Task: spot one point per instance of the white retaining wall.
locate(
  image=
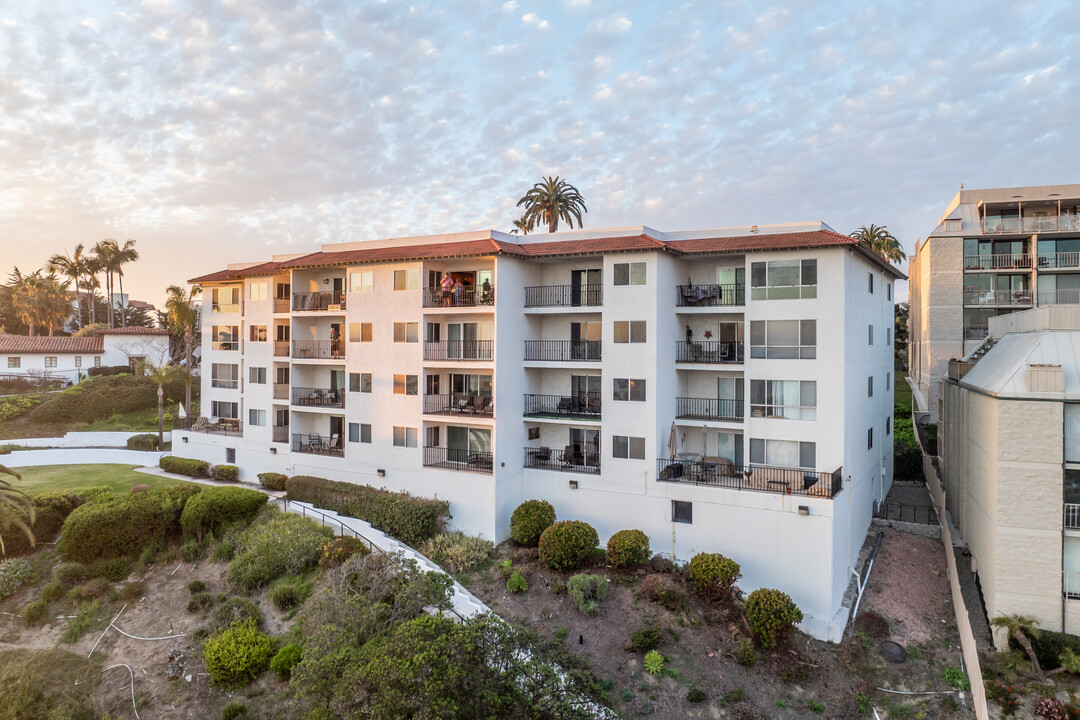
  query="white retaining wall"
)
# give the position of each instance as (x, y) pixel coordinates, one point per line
(82, 440)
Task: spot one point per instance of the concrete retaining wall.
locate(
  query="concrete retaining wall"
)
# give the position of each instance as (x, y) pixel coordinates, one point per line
(79, 456)
(81, 440)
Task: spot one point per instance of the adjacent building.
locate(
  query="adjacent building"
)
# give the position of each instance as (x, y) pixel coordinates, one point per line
(70, 358)
(722, 390)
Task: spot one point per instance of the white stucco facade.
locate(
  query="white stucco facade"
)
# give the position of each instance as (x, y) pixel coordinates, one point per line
(70, 358)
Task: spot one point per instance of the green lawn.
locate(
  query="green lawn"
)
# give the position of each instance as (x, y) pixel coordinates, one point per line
(118, 478)
(902, 394)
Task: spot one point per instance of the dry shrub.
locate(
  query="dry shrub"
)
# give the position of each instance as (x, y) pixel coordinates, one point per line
(665, 590)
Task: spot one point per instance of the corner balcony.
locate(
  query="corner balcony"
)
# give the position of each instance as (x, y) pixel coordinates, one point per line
(460, 405)
(720, 472)
(583, 406)
(329, 301)
(310, 444)
(435, 297)
(1065, 296)
(563, 350)
(457, 459)
(317, 397)
(708, 352)
(459, 350)
(692, 408)
(1011, 298)
(566, 460)
(732, 295)
(221, 426)
(1072, 517)
(318, 349)
(1046, 224)
(564, 296)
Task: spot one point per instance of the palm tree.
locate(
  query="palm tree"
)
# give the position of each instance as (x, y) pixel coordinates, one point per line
(160, 374)
(124, 255)
(13, 503)
(39, 300)
(73, 267)
(182, 317)
(550, 201)
(93, 267)
(1019, 627)
(882, 242)
(106, 253)
(521, 225)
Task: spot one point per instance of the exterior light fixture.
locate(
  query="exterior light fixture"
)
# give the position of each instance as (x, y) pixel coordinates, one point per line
(183, 439)
(573, 484)
(273, 451)
(381, 472)
(804, 510)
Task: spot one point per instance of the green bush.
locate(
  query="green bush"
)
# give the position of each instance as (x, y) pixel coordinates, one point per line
(272, 480)
(340, 549)
(565, 545)
(90, 589)
(236, 656)
(52, 591)
(185, 466)
(628, 547)
(145, 441)
(196, 586)
(529, 521)
(14, 574)
(643, 640)
(112, 569)
(225, 473)
(234, 711)
(286, 659)
(13, 406)
(123, 524)
(654, 663)
(456, 551)
(1049, 646)
(50, 510)
(517, 583)
(232, 611)
(284, 545)
(70, 574)
(771, 613)
(289, 592)
(192, 550)
(100, 397)
(216, 507)
(714, 574)
(744, 653)
(131, 591)
(410, 519)
(35, 613)
(587, 591)
(696, 695)
(199, 601)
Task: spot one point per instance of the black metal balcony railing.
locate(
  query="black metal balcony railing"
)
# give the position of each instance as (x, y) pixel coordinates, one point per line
(708, 351)
(567, 460)
(318, 397)
(318, 349)
(731, 295)
(435, 297)
(328, 300)
(455, 459)
(582, 405)
(459, 350)
(318, 444)
(719, 472)
(457, 404)
(281, 433)
(692, 408)
(563, 350)
(222, 426)
(564, 296)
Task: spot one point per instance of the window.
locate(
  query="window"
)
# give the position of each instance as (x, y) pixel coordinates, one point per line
(405, 384)
(220, 409)
(282, 332)
(629, 331)
(360, 332)
(629, 273)
(223, 375)
(870, 386)
(783, 453)
(257, 291)
(97, 361)
(888, 425)
(281, 375)
(888, 336)
(627, 448)
(404, 436)
(869, 438)
(791, 399)
(783, 339)
(257, 333)
(225, 337)
(230, 455)
(870, 283)
(225, 300)
(682, 512)
(257, 375)
(282, 290)
(361, 282)
(888, 381)
(628, 389)
(78, 361)
(365, 433)
(407, 280)
(14, 362)
(406, 332)
(888, 291)
(869, 334)
(783, 279)
(257, 417)
(50, 362)
(360, 382)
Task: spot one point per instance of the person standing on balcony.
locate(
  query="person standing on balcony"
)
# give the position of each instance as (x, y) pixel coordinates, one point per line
(447, 288)
(459, 291)
(335, 347)
(486, 291)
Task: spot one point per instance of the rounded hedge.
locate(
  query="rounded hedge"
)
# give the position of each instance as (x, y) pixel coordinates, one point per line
(216, 507)
(771, 613)
(530, 520)
(236, 656)
(144, 441)
(225, 473)
(713, 574)
(272, 480)
(565, 545)
(185, 466)
(628, 547)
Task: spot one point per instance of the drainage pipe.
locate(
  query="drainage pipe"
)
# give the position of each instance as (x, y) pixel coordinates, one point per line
(862, 585)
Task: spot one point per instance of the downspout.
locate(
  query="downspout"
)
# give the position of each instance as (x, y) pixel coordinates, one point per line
(862, 586)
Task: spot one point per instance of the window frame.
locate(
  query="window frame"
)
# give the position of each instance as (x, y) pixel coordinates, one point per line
(366, 281)
(406, 381)
(255, 415)
(636, 273)
(767, 350)
(366, 332)
(410, 279)
(629, 329)
(762, 286)
(632, 446)
(762, 389)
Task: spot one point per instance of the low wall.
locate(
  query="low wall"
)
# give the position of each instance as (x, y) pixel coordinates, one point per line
(933, 531)
(82, 440)
(79, 456)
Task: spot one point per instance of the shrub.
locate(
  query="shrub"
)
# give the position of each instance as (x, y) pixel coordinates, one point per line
(191, 550)
(771, 613)
(1049, 645)
(409, 519)
(587, 591)
(52, 591)
(123, 524)
(225, 473)
(216, 507)
(90, 589)
(456, 551)
(139, 487)
(285, 545)
(199, 601)
(14, 574)
(234, 711)
(113, 569)
(664, 590)
(286, 659)
(696, 695)
(1051, 709)
(145, 441)
(232, 611)
(272, 480)
(70, 574)
(744, 653)
(340, 549)
(628, 547)
(530, 520)
(50, 510)
(517, 583)
(131, 591)
(565, 545)
(100, 397)
(185, 466)
(654, 662)
(289, 592)
(713, 574)
(196, 586)
(236, 656)
(35, 613)
(643, 640)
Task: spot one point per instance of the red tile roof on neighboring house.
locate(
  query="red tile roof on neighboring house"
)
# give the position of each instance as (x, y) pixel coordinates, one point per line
(430, 251)
(591, 246)
(11, 344)
(135, 330)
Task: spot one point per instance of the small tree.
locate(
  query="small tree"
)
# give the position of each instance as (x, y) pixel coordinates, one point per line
(1019, 627)
(771, 614)
(160, 374)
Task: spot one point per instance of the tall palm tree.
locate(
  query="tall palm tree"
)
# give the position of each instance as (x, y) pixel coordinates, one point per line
(1019, 627)
(882, 242)
(160, 374)
(13, 504)
(38, 300)
(93, 267)
(106, 253)
(552, 200)
(72, 267)
(521, 225)
(124, 255)
(182, 317)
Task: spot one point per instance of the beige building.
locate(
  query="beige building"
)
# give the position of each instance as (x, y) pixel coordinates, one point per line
(1010, 462)
(993, 252)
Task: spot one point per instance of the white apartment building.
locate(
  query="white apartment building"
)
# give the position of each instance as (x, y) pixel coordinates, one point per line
(722, 390)
(993, 252)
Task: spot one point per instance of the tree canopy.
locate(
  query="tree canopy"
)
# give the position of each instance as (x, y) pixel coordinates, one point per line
(550, 201)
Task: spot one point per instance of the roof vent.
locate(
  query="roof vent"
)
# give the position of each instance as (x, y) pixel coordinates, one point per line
(753, 228)
(1046, 378)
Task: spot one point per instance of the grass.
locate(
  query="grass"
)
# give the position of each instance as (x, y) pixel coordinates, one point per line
(902, 393)
(134, 421)
(118, 478)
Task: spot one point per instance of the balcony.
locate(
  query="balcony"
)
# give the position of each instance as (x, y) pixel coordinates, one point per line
(222, 426)
(281, 305)
(563, 350)
(709, 352)
(225, 307)
(733, 295)
(1050, 223)
(692, 408)
(1065, 296)
(1072, 516)
(459, 298)
(566, 460)
(719, 472)
(225, 384)
(1059, 261)
(317, 445)
(976, 332)
(474, 405)
(319, 349)
(958, 369)
(998, 297)
(331, 300)
(281, 349)
(225, 345)
(459, 350)
(997, 262)
(456, 459)
(583, 406)
(560, 296)
(318, 397)
(281, 433)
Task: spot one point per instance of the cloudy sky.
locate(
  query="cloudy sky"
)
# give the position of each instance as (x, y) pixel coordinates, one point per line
(213, 132)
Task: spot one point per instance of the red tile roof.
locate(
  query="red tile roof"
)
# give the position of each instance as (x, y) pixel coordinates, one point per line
(12, 344)
(591, 246)
(430, 251)
(137, 330)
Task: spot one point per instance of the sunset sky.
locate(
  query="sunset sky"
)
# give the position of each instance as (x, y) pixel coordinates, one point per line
(221, 132)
